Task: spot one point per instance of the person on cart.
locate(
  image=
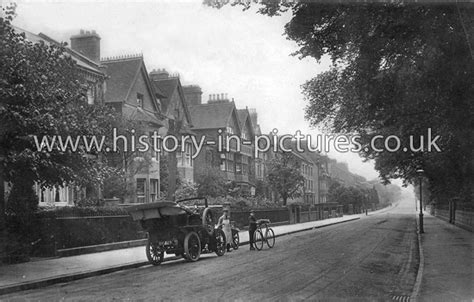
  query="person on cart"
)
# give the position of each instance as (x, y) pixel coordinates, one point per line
(224, 223)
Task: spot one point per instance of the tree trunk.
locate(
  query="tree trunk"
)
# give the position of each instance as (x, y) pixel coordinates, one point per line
(172, 169)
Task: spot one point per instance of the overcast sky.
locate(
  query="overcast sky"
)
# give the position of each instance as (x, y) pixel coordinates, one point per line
(229, 51)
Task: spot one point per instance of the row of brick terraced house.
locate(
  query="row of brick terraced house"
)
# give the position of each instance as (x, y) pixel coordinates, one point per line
(157, 101)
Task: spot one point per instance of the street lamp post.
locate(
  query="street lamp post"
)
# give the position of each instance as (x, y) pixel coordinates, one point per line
(366, 204)
(420, 172)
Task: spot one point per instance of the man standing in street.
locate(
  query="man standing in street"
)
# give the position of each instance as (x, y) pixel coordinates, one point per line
(252, 228)
(224, 223)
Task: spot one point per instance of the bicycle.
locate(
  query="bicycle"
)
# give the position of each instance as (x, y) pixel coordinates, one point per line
(259, 237)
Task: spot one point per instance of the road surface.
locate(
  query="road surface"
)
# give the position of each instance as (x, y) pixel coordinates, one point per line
(374, 258)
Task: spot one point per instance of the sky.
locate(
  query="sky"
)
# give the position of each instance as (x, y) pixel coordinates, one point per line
(243, 54)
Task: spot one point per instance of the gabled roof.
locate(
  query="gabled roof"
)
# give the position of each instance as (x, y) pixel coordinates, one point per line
(167, 88)
(81, 60)
(242, 113)
(244, 117)
(138, 114)
(214, 115)
(122, 74)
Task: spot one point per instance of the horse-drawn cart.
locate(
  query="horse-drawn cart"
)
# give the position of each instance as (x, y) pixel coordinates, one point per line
(176, 229)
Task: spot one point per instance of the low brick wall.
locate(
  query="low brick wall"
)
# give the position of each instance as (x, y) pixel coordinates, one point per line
(309, 216)
(71, 232)
(62, 233)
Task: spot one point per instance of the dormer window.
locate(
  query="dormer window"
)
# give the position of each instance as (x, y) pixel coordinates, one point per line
(140, 100)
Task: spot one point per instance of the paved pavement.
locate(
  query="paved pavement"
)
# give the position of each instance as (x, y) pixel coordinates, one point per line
(447, 266)
(46, 272)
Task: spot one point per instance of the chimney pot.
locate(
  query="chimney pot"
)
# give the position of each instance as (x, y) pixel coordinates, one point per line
(87, 44)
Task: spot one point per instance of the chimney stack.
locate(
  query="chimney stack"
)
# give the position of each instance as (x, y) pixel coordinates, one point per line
(193, 94)
(218, 98)
(88, 44)
(159, 74)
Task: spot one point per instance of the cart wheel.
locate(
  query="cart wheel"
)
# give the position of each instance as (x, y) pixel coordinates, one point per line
(154, 253)
(258, 239)
(207, 221)
(235, 240)
(270, 237)
(192, 246)
(220, 242)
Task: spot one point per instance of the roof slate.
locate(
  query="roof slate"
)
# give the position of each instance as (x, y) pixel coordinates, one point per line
(242, 113)
(122, 74)
(138, 114)
(211, 116)
(79, 58)
(166, 88)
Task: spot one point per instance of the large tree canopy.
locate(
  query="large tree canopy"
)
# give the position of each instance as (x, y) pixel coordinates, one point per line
(398, 69)
(401, 70)
(284, 175)
(42, 94)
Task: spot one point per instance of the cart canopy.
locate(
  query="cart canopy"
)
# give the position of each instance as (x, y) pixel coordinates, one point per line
(156, 210)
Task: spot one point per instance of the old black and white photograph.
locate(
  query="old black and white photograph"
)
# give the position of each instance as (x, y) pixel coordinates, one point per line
(236, 150)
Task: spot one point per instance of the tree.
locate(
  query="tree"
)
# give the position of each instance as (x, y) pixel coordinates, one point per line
(284, 175)
(210, 183)
(42, 93)
(186, 189)
(399, 69)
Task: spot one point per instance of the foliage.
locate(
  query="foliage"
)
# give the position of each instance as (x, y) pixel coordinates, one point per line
(164, 174)
(399, 69)
(86, 211)
(115, 187)
(42, 93)
(210, 183)
(388, 193)
(261, 188)
(21, 206)
(284, 175)
(358, 197)
(402, 70)
(186, 189)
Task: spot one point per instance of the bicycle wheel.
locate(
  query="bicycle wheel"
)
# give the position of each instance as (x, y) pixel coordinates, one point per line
(258, 239)
(270, 237)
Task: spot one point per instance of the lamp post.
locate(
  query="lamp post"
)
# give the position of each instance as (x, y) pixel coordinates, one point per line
(420, 173)
(366, 204)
